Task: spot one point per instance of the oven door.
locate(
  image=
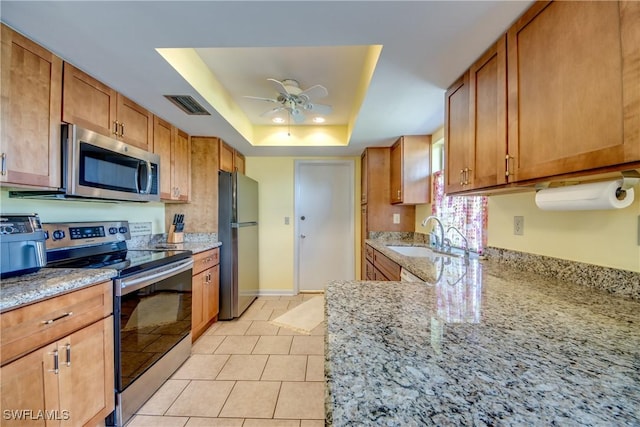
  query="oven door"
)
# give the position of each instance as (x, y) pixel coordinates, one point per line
(153, 314)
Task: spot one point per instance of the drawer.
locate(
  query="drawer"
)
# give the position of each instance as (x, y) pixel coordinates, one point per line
(368, 253)
(370, 271)
(205, 260)
(389, 268)
(33, 326)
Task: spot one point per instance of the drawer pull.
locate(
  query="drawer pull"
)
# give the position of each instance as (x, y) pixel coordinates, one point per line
(68, 347)
(50, 321)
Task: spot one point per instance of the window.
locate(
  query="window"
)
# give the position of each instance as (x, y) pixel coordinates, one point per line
(466, 213)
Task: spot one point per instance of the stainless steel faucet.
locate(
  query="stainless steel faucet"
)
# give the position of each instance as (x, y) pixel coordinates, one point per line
(466, 242)
(439, 240)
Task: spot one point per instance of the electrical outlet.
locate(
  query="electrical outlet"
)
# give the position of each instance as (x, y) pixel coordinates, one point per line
(286, 220)
(396, 218)
(518, 225)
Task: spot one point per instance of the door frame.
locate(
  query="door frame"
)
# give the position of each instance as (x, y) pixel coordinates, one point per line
(296, 209)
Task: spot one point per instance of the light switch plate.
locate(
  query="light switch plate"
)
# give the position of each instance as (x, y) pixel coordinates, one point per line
(396, 218)
(286, 220)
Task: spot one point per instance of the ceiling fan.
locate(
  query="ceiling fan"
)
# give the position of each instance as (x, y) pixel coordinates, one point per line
(295, 101)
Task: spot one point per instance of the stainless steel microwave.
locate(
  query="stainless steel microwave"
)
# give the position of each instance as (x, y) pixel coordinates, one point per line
(102, 168)
(99, 167)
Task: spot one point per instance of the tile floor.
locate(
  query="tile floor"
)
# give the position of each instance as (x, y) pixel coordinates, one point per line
(246, 372)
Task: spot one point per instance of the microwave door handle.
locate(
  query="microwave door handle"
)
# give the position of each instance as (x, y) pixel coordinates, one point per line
(147, 163)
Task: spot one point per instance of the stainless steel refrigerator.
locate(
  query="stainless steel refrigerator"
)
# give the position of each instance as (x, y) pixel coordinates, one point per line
(238, 233)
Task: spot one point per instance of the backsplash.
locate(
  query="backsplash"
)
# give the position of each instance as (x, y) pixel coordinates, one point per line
(155, 239)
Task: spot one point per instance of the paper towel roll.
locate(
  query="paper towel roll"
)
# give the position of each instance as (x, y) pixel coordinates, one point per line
(584, 197)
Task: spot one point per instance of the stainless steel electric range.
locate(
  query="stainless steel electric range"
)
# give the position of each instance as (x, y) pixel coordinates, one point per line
(152, 304)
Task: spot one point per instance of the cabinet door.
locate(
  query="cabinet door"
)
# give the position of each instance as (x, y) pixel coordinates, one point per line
(181, 165)
(88, 103)
(86, 376)
(573, 87)
(28, 386)
(225, 156)
(31, 87)
(212, 293)
(136, 124)
(396, 171)
(162, 141)
(198, 284)
(456, 129)
(238, 162)
(488, 118)
(363, 178)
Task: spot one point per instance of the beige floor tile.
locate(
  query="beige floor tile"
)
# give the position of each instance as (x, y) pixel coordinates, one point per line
(212, 328)
(262, 328)
(265, 298)
(285, 368)
(243, 367)
(214, 422)
(312, 295)
(277, 304)
(298, 297)
(155, 421)
(309, 423)
(206, 344)
(277, 313)
(270, 423)
(294, 304)
(163, 398)
(233, 327)
(315, 368)
(201, 367)
(257, 314)
(301, 400)
(305, 344)
(252, 399)
(273, 345)
(202, 399)
(321, 329)
(237, 344)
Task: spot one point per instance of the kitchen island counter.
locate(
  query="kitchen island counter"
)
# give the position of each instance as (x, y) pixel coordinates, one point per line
(484, 345)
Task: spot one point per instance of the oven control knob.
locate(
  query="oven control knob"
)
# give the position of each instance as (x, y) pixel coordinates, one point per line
(58, 234)
(122, 230)
(113, 230)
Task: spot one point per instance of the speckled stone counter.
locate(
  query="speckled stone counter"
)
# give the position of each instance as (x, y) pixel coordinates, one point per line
(484, 344)
(47, 283)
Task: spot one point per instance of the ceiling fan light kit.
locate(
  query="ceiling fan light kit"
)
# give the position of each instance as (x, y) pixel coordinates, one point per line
(295, 101)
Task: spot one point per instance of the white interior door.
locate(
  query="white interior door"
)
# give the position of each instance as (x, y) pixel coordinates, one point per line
(324, 222)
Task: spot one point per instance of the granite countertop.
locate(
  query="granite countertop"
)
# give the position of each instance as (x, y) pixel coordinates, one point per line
(47, 283)
(194, 247)
(484, 344)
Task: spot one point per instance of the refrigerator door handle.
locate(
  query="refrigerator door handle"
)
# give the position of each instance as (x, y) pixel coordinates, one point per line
(243, 224)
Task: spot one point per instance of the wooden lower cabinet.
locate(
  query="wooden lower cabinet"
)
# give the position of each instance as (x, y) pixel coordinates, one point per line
(67, 382)
(379, 267)
(205, 291)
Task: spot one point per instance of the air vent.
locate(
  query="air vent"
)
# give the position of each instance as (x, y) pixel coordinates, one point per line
(187, 104)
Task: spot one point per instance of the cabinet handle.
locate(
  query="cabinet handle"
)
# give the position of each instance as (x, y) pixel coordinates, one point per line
(56, 367)
(115, 127)
(121, 129)
(4, 164)
(506, 165)
(398, 195)
(461, 176)
(68, 347)
(50, 321)
(467, 175)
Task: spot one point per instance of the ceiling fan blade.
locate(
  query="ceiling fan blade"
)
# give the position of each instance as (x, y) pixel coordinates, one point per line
(317, 91)
(261, 98)
(278, 86)
(297, 115)
(319, 108)
(272, 111)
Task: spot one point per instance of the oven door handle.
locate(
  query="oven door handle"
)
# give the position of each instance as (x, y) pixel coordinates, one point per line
(131, 284)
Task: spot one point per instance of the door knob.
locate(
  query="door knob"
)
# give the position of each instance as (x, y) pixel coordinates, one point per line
(303, 217)
(302, 236)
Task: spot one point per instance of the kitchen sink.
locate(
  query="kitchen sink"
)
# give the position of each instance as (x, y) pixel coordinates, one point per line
(412, 251)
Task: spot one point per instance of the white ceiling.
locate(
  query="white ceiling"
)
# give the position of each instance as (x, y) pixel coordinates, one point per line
(426, 46)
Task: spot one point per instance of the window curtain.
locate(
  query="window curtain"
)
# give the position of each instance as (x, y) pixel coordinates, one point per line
(467, 213)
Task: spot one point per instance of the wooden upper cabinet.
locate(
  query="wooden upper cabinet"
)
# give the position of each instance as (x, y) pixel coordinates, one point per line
(225, 156)
(173, 147)
(410, 170)
(456, 135)
(363, 178)
(91, 104)
(181, 165)
(31, 87)
(573, 88)
(238, 162)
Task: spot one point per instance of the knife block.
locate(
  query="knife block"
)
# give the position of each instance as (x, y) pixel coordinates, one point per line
(175, 236)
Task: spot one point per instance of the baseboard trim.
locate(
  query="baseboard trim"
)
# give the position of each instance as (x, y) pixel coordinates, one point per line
(276, 293)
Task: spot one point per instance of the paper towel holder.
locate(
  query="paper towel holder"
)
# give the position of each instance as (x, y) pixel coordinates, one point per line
(630, 178)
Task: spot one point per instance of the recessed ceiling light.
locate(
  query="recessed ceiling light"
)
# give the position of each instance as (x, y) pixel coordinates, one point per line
(318, 120)
(277, 120)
